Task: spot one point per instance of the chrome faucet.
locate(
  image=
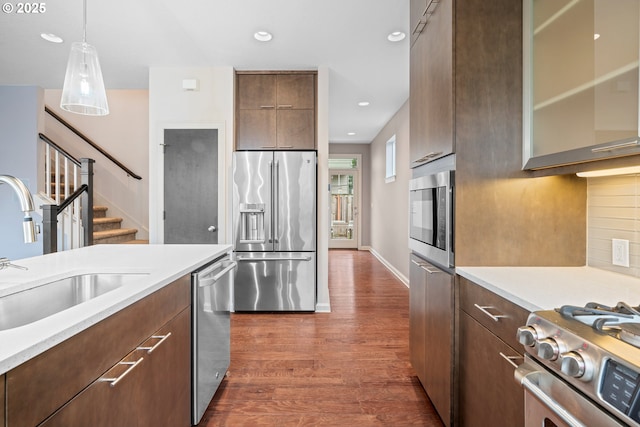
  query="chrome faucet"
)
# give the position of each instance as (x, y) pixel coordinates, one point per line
(26, 203)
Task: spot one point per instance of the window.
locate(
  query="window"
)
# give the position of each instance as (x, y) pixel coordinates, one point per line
(390, 175)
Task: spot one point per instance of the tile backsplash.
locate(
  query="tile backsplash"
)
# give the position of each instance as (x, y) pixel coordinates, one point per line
(613, 212)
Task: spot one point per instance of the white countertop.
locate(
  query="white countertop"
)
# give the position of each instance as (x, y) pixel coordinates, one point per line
(161, 265)
(546, 288)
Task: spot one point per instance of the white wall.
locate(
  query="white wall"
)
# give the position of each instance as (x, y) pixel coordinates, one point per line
(213, 104)
(21, 110)
(124, 134)
(390, 201)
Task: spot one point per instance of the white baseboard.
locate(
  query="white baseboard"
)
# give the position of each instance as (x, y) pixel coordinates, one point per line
(390, 267)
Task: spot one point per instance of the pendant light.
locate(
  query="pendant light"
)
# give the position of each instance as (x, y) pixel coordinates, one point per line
(83, 90)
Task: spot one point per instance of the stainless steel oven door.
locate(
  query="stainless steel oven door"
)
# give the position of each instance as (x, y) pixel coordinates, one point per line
(550, 402)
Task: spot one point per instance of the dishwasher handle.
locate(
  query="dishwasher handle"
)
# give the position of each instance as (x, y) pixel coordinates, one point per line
(208, 281)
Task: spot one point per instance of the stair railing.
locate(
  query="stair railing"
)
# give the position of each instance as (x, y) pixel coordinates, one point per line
(91, 143)
(68, 223)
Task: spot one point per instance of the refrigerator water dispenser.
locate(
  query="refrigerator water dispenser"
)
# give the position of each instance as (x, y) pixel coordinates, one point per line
(252, 222)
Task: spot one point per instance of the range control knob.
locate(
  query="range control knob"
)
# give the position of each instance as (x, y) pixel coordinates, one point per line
(527, 336)
(575, 365)
(548, 349)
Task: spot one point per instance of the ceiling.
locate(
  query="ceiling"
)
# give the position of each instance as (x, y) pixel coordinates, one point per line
(347, 36)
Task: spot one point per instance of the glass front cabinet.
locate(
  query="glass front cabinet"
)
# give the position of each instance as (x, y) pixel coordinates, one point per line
(580, 66)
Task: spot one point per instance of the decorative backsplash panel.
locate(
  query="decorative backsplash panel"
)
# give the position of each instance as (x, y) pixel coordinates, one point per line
(613, 212)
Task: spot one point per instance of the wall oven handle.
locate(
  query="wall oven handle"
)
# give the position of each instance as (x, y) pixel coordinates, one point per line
(529, 382)
(494, 317)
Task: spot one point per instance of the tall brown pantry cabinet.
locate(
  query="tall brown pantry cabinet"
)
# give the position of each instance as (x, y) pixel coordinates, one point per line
(275, 110)
(504, 216)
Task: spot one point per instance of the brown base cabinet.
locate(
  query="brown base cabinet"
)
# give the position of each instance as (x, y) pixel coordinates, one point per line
(2, 420)
(431, 310)
(152, 389)
(73, 383)
(488, 394)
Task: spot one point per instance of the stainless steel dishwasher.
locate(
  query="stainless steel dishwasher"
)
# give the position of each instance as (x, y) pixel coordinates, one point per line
(211, 303)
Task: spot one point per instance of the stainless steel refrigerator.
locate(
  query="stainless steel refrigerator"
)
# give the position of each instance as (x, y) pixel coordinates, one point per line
(274, 225)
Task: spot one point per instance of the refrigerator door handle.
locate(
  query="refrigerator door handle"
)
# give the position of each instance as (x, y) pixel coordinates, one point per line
(271, 220)
(291, 258)
(276, 202)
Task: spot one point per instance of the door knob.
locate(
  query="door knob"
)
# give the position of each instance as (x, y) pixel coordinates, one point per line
(212, 228)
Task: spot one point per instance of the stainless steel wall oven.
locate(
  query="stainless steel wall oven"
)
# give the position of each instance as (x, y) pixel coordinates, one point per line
(431, 200)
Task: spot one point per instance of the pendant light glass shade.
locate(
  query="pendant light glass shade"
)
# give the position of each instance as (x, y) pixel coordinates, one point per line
(83, 91)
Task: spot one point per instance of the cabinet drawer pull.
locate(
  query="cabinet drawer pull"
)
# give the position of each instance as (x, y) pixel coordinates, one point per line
(286, 146)
(267, 106)
(268, 146)
(419, 27)
(430, 270)
(511, 359)
(162, 339)
(427, 157)
(428, 11)
(287, 106)
(619, 146)
(426, 267)
(494, 317)
(114, 381)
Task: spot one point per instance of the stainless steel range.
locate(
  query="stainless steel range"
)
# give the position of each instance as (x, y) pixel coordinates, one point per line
(582, 366)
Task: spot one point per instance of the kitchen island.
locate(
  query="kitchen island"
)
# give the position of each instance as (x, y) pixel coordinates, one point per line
(157, 266)
(67, 367)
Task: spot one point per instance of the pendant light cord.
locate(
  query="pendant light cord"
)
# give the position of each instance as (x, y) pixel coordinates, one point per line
(84, 21)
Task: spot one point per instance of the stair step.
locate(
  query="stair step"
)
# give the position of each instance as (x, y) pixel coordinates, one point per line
(106, 223)
(99, 211)
(137, 242)
(119, 235)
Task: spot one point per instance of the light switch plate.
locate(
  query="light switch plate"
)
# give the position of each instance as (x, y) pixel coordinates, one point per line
(620, 252)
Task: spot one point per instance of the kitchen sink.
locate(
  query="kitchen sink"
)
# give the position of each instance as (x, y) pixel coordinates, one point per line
(36, 303)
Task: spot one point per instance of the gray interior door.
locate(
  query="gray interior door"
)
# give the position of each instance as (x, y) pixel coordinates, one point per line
(191, 186)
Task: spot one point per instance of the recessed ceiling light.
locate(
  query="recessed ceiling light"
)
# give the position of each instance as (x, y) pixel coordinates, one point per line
(262, 36)
(351, 133)
(396, 36)
(596, 36)
(363, 103)
(51, 38)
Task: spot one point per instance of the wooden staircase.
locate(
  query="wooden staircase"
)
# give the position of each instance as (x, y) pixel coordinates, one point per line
(108, 230)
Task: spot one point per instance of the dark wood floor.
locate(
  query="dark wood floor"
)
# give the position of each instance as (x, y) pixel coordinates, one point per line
(349, 367)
